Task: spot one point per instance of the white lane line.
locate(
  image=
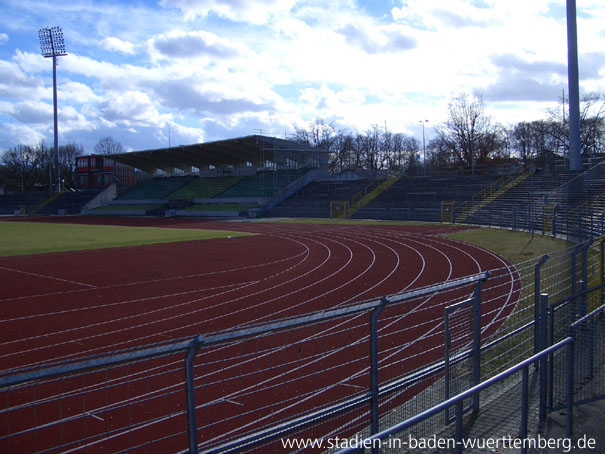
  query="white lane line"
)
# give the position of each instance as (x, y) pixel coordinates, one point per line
(46, 277)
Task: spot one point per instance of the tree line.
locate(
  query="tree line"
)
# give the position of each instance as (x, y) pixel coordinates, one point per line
(27, 168)
(468, 139)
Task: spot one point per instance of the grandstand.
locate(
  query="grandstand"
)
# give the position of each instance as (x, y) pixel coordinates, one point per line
(223, 178)
(258, 175)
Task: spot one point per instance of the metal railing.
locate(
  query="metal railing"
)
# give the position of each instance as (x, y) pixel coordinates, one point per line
(457, 403)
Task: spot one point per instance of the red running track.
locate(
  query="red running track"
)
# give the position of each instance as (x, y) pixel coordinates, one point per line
(69, 305)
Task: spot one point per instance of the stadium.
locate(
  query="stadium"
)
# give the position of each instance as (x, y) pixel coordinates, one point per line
(237, 296)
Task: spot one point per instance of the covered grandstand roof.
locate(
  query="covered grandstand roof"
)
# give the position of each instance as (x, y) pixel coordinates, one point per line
(255, 149)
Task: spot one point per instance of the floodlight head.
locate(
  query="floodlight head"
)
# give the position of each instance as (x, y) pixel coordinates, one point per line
(51, 42)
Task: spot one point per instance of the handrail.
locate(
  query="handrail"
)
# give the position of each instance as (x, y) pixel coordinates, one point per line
(396, 428)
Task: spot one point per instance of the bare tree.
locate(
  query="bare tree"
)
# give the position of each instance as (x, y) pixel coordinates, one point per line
(343, 152)
(107, 145)
(592, 125)
(319, 134)
(371, 142)
(17, 172)
(468, 132)
(67, 163)
(534, 140)
(26, 168)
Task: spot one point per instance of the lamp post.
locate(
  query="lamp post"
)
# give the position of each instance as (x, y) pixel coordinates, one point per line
(52, 46)
(424, 144)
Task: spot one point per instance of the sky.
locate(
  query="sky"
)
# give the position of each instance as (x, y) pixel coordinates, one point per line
(172, 72)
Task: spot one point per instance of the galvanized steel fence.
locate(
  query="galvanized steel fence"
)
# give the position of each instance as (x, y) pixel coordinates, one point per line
(351, 371)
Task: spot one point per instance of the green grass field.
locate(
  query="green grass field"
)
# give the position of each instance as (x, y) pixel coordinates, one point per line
(25, 238)
(514, 246)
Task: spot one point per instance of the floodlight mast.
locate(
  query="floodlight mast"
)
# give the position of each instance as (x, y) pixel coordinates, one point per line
(52, 46)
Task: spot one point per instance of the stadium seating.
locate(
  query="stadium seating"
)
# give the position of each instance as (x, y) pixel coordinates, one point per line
(156, 188)
(66, 203)
(417, 198)
(314, 199)
(13, 203)
(510, 207)
(43, 204)
(201, 188)
(263, 184)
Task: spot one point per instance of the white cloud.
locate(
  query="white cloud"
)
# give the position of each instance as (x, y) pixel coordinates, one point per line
(19, 133)
(33, 112)
(78, 92)
(130, 108)
(378, 40)
(112, 43)
(183, 134)
(291, 27)
(18, 85)
(455, 14)
(3, 38)
(214, 96)
(199, 43)
(29, 62)
(253, 11)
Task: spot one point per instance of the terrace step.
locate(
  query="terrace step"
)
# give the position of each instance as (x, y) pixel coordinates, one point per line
(485, 197)
(367, 198)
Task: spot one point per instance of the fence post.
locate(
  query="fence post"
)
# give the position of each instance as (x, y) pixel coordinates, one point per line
(531, 220)
(459, 426)
(374, 416)
(537, 310)
(190, 389)
(570, 381)
(446, 363)
(602, 265)
(543, 334)
(574, 279)
(585, 249)
(477, 341)
(551, 341)
(524, 407)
